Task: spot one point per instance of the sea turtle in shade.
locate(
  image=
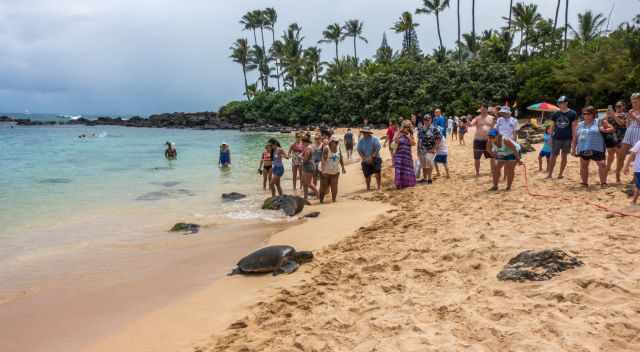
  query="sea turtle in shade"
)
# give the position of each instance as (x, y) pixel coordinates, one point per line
(272, 259)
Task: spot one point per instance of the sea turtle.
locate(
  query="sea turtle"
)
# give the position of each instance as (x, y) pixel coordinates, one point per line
(274, 259)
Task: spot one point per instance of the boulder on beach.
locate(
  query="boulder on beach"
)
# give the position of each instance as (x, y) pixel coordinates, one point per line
(290, 205)
(187, 228)
(538, 265)
(314, 214)
(233, 196)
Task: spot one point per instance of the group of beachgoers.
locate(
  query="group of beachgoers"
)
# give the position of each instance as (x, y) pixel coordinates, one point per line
(615, 137)
(316, 161)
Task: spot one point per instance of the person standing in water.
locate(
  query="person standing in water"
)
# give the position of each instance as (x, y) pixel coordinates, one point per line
(225, 156)
(265, 165)
(277, 168)
(295, 151)
(170, 153)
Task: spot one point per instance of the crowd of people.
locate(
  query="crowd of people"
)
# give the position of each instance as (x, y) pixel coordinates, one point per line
(607, 141)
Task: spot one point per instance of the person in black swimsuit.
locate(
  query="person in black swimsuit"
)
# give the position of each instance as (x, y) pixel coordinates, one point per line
(170, 153)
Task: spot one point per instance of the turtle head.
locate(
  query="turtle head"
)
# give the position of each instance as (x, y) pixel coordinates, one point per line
(303, 256)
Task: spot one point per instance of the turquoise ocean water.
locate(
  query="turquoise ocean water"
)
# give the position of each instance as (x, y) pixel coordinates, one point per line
(57, 189)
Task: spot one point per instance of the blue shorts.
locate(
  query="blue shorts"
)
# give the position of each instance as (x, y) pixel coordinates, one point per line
(637, 179)
(544, 154)
(440, 159)
(278, 170)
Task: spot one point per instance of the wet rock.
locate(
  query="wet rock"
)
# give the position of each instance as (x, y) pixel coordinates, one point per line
(185, 227)
(55, 180)
(233, 196)
(538, 265)
(314, 214)
(290, 205)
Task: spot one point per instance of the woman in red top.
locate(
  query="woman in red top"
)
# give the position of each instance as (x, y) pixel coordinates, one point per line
(391, 133)
(265, 165)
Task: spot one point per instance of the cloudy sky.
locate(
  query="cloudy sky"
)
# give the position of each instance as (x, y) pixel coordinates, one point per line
(146, 56)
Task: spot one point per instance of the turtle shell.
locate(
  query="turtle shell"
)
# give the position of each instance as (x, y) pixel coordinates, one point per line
(266, 259)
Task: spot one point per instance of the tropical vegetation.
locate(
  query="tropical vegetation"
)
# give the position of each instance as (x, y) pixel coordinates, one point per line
(530, 59)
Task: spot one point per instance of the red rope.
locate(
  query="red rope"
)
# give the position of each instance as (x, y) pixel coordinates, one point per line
(571, 199)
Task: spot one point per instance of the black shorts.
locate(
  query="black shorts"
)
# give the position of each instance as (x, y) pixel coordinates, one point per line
(591, 155)
(560, 145)
(480, 149)
(373, 168)
(349, 146)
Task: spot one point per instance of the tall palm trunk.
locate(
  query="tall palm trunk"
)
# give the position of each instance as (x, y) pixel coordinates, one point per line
(473, 24)
(273, 40)
(438, 27)
(337, 57)
(266, 77)
(355, 51)
(510, 12)
(255, 38)
(246, 85)
(459, 48)
(566, 23)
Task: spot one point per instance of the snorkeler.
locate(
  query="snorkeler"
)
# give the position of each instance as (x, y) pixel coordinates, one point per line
(225, 155)
(171, 153)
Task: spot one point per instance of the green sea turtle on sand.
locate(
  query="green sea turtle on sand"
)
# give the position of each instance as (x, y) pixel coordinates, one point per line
(272, 259)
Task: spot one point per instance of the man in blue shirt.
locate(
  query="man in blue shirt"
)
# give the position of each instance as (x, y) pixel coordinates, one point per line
(369, 150)
(441, 121)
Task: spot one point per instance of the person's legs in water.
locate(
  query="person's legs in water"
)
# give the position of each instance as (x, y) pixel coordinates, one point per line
(584, 171)
(275, 185)
(334, 186)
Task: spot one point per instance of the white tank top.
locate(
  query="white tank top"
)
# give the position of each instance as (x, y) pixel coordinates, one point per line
(332, 165)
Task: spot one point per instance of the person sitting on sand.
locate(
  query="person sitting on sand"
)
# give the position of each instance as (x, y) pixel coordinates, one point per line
(265, 165)
(405, 175)
(507, 154)
(170, 153)
(224, 160)
(308, 168)
(348, 143)
(369, 150)
(634, 157)
(330, 167)
(589, 145)
(277, 169)
(545, 152)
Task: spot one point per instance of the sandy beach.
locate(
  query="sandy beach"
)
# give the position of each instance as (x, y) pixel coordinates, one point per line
(422, 277)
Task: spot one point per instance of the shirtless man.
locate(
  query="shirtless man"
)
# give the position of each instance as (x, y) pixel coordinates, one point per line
(483, 123)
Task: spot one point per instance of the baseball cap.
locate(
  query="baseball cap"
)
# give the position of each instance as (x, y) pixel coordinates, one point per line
(563, 99)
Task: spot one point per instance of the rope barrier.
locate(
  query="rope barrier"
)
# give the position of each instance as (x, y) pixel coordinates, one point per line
(572, 199)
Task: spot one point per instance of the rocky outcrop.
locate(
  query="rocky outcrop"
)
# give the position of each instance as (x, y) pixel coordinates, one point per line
(233, 196)
(290, 205)
(538, 265)
(186, 228)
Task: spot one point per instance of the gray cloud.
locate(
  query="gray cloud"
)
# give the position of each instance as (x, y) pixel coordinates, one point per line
(145, 56)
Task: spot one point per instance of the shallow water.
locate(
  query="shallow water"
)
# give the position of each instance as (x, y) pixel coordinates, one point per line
(61, 194)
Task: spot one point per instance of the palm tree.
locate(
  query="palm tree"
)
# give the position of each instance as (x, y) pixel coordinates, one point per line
(312, 61)
(261, 59)
(469, 43)
(589, 26)
(555, 19)
(251, 21)
(510, 12)
(526, 17)
(473, 20)
(353, 28)
(242, 54)
(333, 34)
(407, 27)
(459, 51)
(292, 54)
(270, 19)
(434, 7)
(566, 23)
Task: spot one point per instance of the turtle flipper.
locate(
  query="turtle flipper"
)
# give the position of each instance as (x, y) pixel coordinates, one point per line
(235, 271)
(288, 268)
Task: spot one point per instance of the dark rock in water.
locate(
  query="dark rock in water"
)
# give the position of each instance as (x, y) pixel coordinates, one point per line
(166, 184)
(173, 193)
(314, 214)
(538, 265)
(233, 196)
(160, 168)
(290, 205)
(55, 180)
(185, 227)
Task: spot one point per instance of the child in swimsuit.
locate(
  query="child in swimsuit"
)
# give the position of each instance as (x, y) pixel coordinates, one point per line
(265, 165)
(545, 152)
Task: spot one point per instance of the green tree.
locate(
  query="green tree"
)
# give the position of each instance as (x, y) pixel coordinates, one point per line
(312, 62)
(242, 54)
(407, 27)
(434, 7)
(589, 27)
(526, 17)
(250, 22)
(333, 34)
(353, 28)
(270, 19)
(384, 54)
